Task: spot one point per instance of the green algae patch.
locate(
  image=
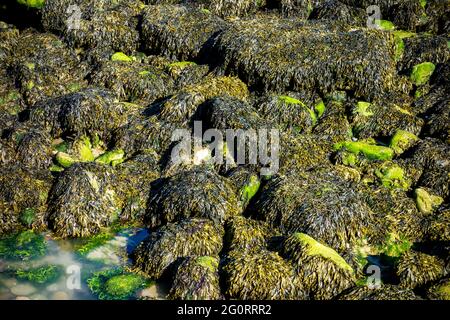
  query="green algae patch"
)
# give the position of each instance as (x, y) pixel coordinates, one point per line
(320, 108)
(392, 176)
(402, 140)
(315, 248)
(64, 160)
(94, 242)
(120, 56)
(112, 158)
(28, 216)
(394, 246)
(426, 202)
(363, 109)
(385, 25)
(249, 190)
(293, 101)
(40, 275)
(370, 151)
(36, 4)
(421, 73)
(23, 246)
(116, 284)
(210, 263)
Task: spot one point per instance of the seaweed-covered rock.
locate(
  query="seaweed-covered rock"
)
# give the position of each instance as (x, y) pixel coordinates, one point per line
(89, 111)
(282, 54)
(383, 119)
(333, 124)
(23, 198)
(416, 269)
(196, 279)
(319, 203)
(178, 31)
(182, 106)
(246, 181)
(321, 270)
(385, 292)
(38, 76)
(440, 290)
(83, 200)
(244, 234)
(261, 275)
(336, 10)
(103, 24)
(423, 48)
(439, 222)
(135, 176)
(199, 193)
(227, 8)
(132, 81)
(187, 238)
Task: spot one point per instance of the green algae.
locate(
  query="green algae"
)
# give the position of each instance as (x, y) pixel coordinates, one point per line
(249, 190)
(28, 216)
(25, 245)
(402, 140)
(40, 275)
(421, 73)
(370, 151)
(112, 158)
(120, 56)
(392, 176)
(315, 248)
(426, 202)
(116, 284)
(36, 4)
(363, 108)
(208, 262)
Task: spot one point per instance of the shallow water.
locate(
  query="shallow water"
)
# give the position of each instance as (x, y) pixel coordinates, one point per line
(76, 269)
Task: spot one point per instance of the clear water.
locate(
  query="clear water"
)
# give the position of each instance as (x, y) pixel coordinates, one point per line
(112, 254)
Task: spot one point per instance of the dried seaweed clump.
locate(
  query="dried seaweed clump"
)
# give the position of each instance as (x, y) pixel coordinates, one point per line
(23, 198)
(83, 200)
(289, 55)
(416, 269)
(39, 77)
(319, 203)
(177, 31)
(385, 292)
(90, 111)
(182, 106)
(321, 270)
(245, 234)
(261, 275)
(132, 81)
(197, 279)
(187, 238)
(199, 193)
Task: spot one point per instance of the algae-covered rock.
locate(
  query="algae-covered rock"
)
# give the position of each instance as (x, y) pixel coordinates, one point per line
(178, 31)
(83, 200)
(416, 269)
(199, 193)
(116, 284)
(280, 54)
(402, 141)
(40, 275)
(425, 201)
(440, 291)
(319, 203)
(261, 275)
(245, 234)
(385, 292)
(421, 73)
(187, 238)
(196, 279)
(314, 263)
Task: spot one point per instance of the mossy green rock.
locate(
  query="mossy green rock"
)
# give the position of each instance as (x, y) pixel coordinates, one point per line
(115, 284)
(392, 176)
(402, 140)
(426, 203)
(120, 56)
